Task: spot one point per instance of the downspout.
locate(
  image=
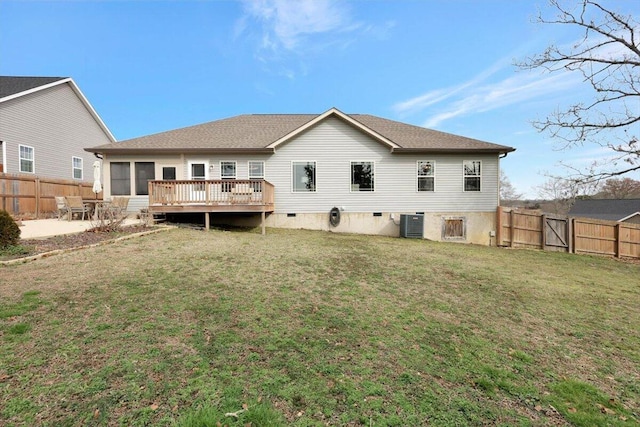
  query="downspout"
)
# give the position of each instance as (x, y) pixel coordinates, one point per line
(3, 147)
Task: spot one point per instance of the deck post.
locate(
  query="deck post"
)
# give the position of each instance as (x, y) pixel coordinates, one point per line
(207, 220)
(262, 217)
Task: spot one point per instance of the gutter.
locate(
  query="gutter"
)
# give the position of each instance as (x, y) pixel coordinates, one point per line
(121, 151)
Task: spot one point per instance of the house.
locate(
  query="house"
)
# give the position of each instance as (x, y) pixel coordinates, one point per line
(620, 210)
(331, 171)
(45, 123)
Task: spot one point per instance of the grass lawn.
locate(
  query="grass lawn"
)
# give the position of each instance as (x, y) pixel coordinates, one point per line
(187, 328)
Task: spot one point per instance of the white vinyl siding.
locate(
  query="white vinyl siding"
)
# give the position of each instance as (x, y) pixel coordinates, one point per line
(333, 145)
(57, 124)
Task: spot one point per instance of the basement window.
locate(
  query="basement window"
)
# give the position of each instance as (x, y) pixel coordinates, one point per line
(454, 228)
(377, 214)
(291, 215)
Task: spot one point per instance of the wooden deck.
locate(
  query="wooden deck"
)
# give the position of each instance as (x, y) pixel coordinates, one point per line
(210, 196)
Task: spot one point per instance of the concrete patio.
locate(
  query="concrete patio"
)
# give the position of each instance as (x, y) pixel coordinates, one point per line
(42, 228)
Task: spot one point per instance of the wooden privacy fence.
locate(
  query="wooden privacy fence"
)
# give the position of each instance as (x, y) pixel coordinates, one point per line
(531, 229)
(32, 196)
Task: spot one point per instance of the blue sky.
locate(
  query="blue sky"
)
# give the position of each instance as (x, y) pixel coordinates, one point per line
(150, 66)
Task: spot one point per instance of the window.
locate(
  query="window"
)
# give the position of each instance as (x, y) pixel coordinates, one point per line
(120, 178)
(256, 170)
(453, 228)
(303, 176)
(169, 173)
(228, 170)
(471, 175)
(145, 172)
(198, 171)
(362, 176)
(77, 167)
(426, 175)
(27, 159)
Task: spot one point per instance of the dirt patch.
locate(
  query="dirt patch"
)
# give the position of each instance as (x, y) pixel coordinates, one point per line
(69, 241)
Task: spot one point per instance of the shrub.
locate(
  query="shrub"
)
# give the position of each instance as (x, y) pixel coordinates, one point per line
(9, 230)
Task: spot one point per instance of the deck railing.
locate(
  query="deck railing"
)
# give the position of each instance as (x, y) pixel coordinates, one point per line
(211, 192)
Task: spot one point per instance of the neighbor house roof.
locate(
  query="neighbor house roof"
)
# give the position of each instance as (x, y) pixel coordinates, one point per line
(10, 85)
(265, 132)
(13, 87)
(605, 209)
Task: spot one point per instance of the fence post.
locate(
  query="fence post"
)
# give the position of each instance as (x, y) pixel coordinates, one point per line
(499, 227)
(4, 192)
(37, 191)
(618, 240)
(570, 232)
(543, 232)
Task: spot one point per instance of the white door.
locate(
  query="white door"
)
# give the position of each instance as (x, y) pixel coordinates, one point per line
(198, 171)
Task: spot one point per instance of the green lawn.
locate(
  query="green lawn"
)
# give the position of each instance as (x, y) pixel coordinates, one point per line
(187, 328)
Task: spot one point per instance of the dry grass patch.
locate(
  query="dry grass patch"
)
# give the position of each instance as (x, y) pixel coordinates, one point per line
(314, 328)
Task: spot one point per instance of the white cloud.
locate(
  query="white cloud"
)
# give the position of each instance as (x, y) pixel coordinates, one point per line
(436, 96)
(479, 94)
(287, 23)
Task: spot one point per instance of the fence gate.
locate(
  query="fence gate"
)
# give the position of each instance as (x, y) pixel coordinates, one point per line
(556, 234)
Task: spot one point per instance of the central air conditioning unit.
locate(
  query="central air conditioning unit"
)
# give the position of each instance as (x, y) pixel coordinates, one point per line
(412, 226)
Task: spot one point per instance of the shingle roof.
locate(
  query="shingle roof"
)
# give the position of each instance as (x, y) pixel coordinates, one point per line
(10, 85)
(255, 132)
(606, 209)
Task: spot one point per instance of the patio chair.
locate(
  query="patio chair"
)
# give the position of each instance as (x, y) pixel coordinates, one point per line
(61, 206)
(75, 206)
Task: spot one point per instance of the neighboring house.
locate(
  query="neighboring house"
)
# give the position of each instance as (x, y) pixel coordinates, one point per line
(294, 169)
(45, 123)
(621, 210)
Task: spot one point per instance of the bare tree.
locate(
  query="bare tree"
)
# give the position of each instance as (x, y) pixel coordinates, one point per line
(607, 56)
(507, 190)
(620, 188)
(560, 193)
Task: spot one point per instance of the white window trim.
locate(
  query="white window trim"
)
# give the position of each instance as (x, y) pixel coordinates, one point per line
(418, 176)
(471, 176)
(73, 167)
(33, 160)
(249, 169)
(198, 162)
(351, 176)
(315, 163)
(235, 169)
